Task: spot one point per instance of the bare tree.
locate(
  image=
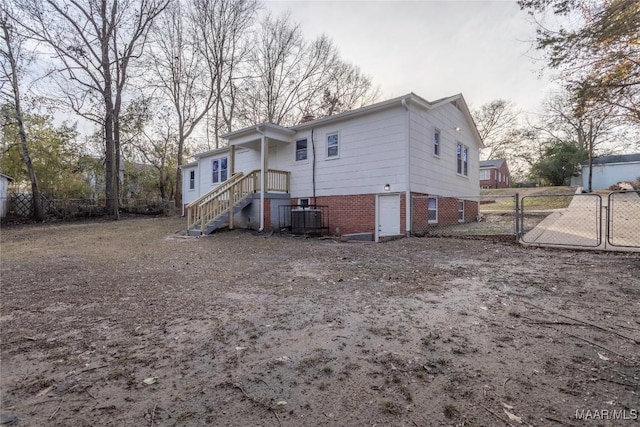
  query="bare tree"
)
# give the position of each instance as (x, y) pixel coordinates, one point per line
(94, 43)
(498, 125)
(222, 29)
(285, 72)
(345, 88)
(289, 77)
(12, 54)
(180, 74)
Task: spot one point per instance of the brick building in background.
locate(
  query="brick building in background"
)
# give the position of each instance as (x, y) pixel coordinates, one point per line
(494, 174)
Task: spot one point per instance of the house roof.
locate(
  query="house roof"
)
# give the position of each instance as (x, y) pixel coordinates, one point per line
(211, 152)
(258, 129)
(616, 158)
(189, 165)
(405, 100)
(6, 176)
(494, 163)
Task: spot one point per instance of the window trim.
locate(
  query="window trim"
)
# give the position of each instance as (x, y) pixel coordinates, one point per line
(461, 203)
(486, 172)
(304, 202)
(306, 151)
(462, 165)
(429, 220)
(437, 142)
(219, 171)
(337, 145)
(192, 180)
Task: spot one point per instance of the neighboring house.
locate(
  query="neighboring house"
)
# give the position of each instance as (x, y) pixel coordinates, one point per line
(4, 194)
(494, 174)
(362, 166)
(610, 170)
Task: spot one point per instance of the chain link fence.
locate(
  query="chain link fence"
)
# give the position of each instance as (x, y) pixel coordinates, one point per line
(590, 220)
(19, 207)
(487, 216)
(581, 220)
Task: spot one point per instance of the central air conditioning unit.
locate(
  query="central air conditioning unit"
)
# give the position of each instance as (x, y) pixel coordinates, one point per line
(306, 221)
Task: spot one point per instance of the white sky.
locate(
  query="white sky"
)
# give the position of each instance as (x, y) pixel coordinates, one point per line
(481, 49)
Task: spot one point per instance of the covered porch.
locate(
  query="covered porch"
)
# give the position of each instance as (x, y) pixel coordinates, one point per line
(251, 184)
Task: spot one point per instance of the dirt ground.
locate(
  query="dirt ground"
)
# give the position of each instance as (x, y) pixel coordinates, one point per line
(131, 324)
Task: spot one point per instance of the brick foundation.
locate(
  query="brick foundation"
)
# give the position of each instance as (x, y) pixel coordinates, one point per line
(354, 214)
(447, 212)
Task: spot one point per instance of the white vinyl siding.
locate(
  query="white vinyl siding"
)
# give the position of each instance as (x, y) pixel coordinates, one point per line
(372, 153)
(433, 175)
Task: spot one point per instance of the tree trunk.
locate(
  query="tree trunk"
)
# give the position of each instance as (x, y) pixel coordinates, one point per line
(38, 213)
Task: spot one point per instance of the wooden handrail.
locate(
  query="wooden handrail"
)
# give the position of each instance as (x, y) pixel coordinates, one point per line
(222, 199)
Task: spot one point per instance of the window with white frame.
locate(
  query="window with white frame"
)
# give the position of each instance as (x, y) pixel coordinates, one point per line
(436, 142)
(460, 210)
(432, 210)
(485, 174)
(192, 180)
(301, 149)
(219, 170)
(462, 159)
(303, 202)
(333, 143)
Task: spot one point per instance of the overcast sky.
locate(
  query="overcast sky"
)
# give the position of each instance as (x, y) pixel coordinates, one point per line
(481, 49)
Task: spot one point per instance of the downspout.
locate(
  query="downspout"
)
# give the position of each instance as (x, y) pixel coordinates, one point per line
(313, 168)
(407, 196)
(262, 172)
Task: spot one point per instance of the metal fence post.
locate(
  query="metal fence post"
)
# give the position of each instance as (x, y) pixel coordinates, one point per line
(517, 216)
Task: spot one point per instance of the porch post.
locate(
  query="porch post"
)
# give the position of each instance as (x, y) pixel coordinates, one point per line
(234, 190)
(232, 160)
(263, 164)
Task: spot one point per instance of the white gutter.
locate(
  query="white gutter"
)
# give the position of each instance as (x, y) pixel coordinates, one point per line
(262, 172)
(407, 196)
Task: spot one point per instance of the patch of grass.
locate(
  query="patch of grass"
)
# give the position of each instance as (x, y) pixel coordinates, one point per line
(450, 411)
(391, 408)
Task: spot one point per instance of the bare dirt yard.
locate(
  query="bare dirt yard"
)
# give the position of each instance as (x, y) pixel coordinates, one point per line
(131, 324)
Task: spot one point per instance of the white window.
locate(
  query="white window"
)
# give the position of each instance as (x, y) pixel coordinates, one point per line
(333, 143)
(301, 150)
(192, 180)
(486, 187)
(485, 174)
(499, 176)
(436, 142)
(219, 170)
(460, 210)
(303, 202)
(462, 156)
(432, 210)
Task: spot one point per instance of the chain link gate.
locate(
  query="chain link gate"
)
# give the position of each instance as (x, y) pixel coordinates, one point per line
(582, 220)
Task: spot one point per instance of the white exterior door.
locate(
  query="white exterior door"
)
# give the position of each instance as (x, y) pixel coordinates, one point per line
(388, 215)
